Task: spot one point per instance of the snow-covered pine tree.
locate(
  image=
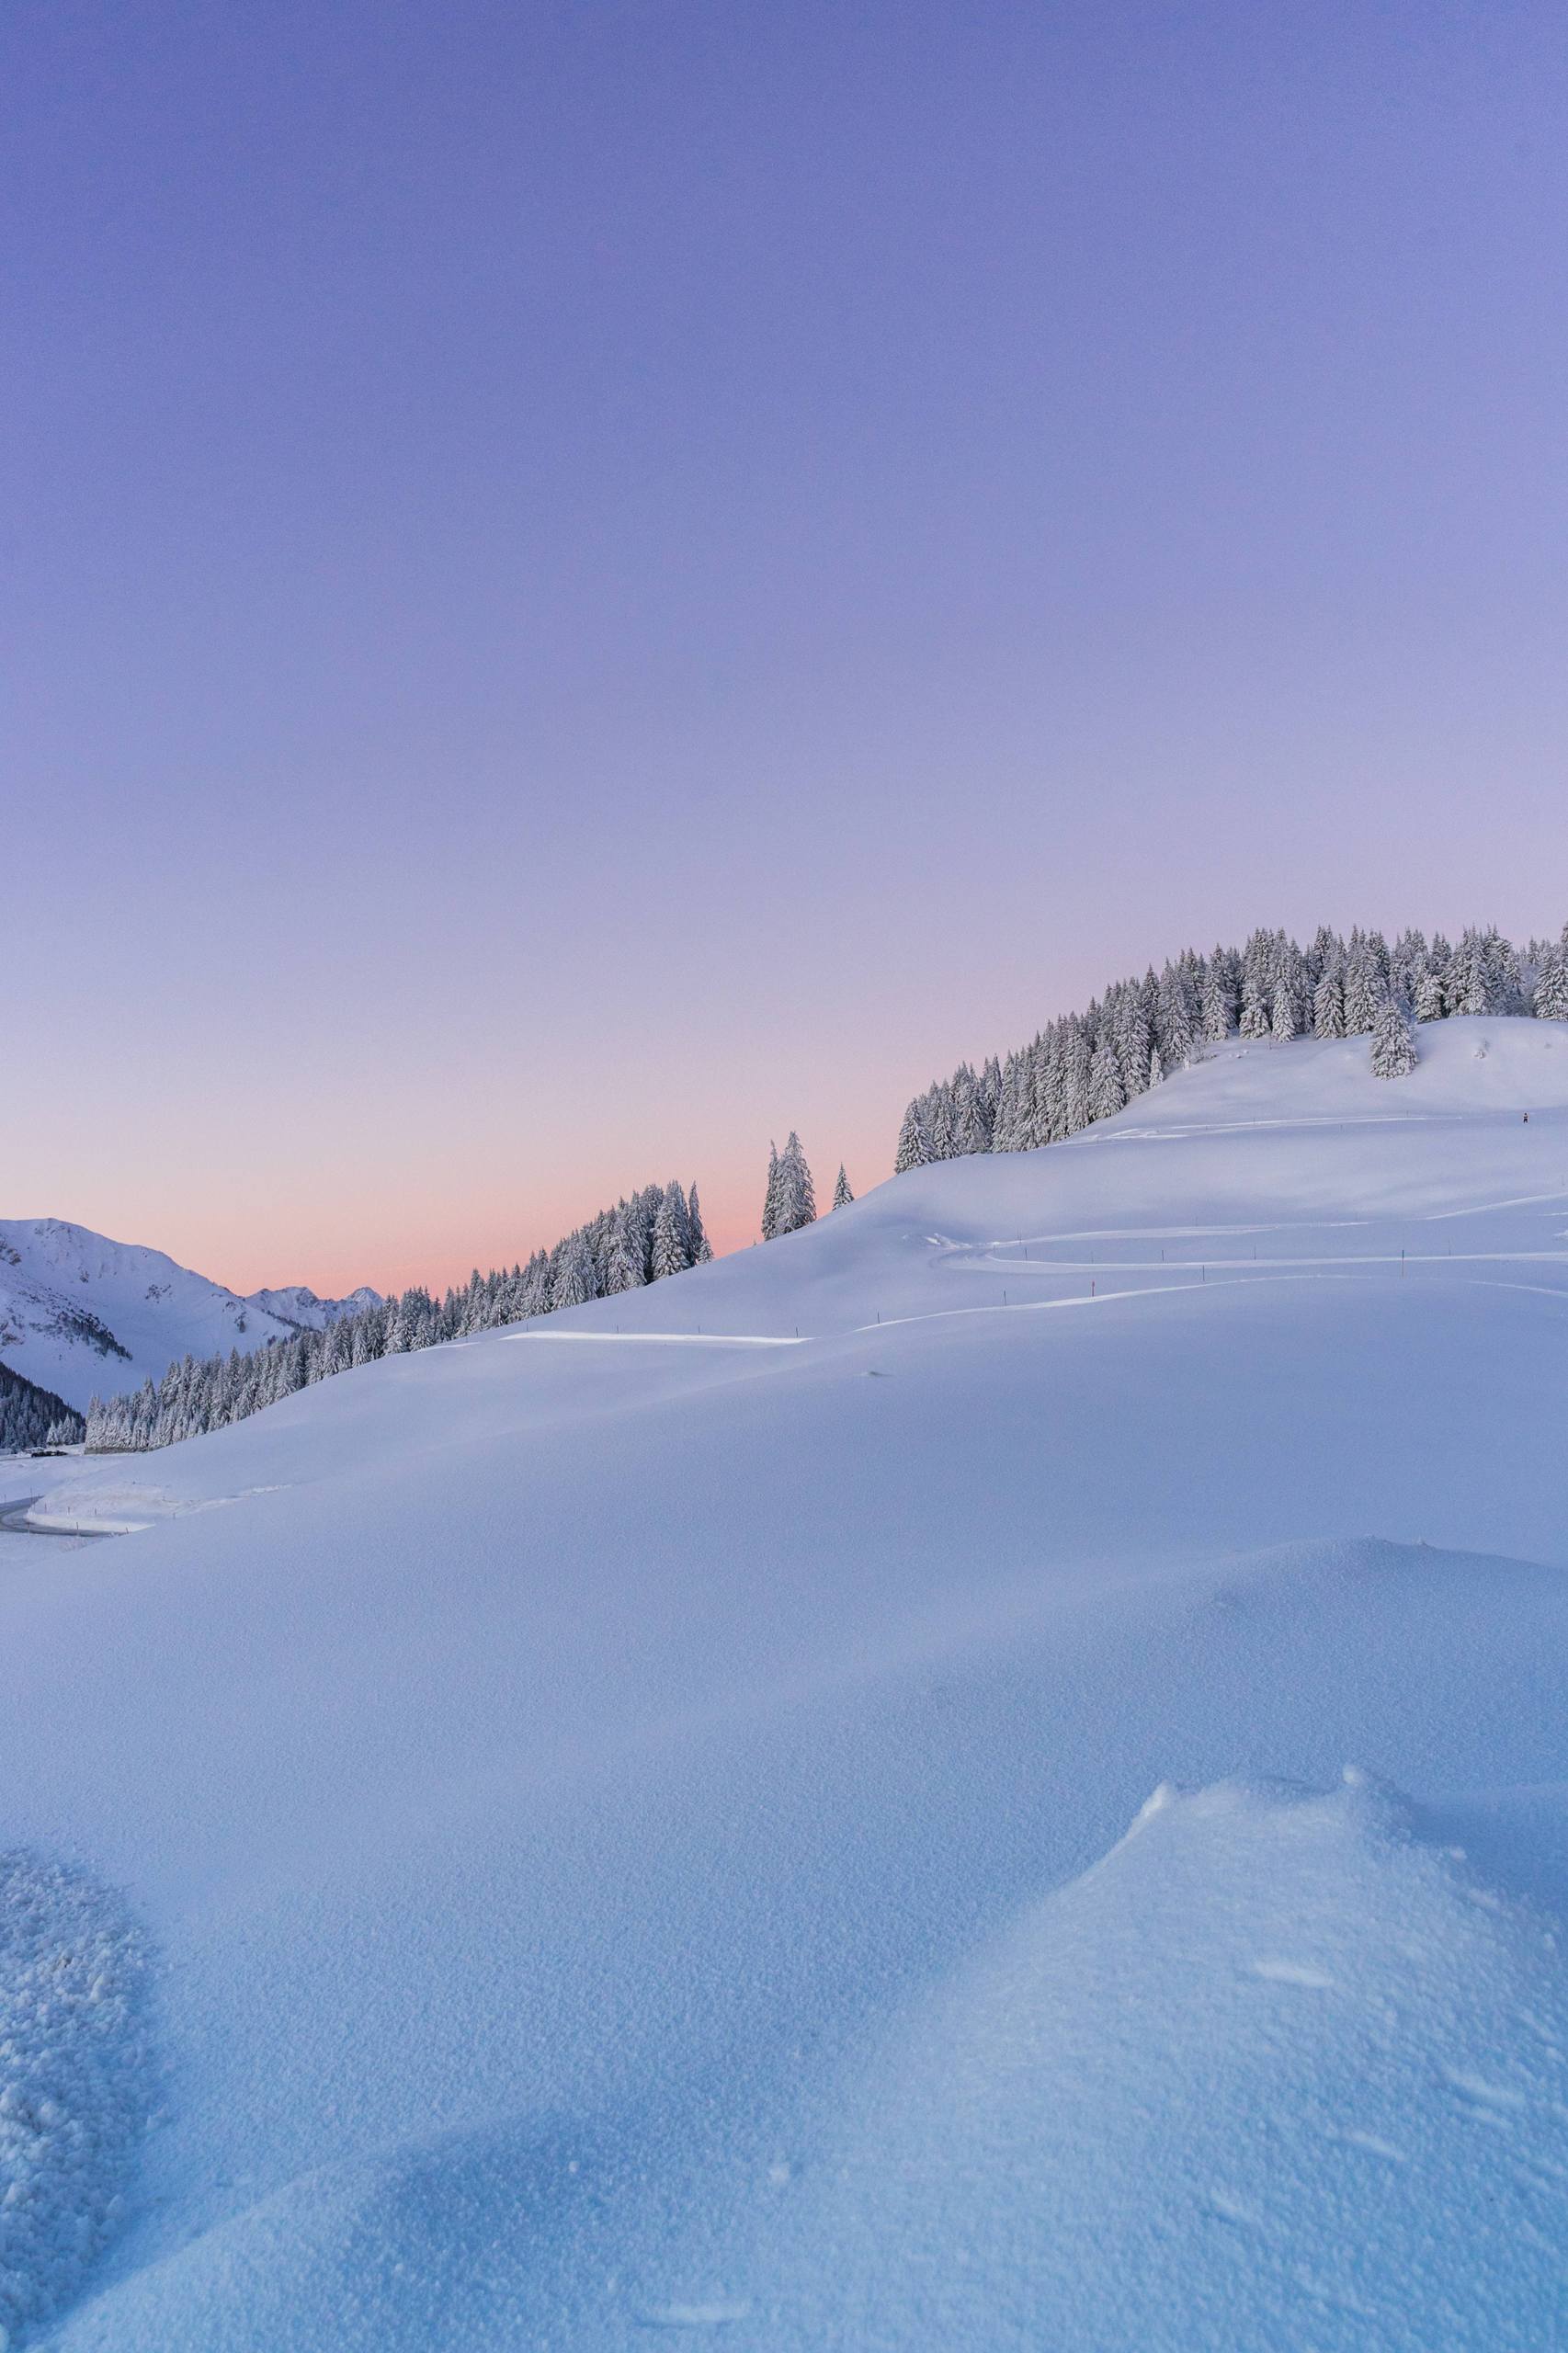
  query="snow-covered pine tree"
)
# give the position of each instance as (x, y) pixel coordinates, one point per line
(1106, 1093)
(797, 1197)
(1328, 1000)
(1474, 976)
(770, 1196)
(1258, 985)
(575, 1282)
(1175, 1025)
(670, 1254)
(1428, 1003)
(1551, 987)
(914, 1143)
(842, 1196)
(1363, 986)
(1042, 1090)
(623, 1261)
(1393, 1046)
(1010, 1131)
(702, 1248)
(1220, 1004)
(1133, 1036)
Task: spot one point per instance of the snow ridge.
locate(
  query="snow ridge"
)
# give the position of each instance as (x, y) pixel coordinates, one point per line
(74, 2077)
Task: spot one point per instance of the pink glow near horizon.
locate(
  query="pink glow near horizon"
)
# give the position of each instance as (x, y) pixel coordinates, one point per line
(585, 587)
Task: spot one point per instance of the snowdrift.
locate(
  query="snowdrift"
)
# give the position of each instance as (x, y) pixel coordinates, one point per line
(637, 1834)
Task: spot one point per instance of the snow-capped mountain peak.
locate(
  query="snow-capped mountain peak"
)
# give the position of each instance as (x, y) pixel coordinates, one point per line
(296, 1304)
(81, 1313)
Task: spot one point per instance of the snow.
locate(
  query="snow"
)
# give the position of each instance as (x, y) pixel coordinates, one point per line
(76, 2078)
(1329, 2111)
(647, 1836)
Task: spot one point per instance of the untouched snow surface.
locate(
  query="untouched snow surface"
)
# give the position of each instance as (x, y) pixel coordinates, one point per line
(649, 1837)
(77, 2074)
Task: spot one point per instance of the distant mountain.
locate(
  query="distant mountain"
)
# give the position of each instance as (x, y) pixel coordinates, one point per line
(80, 1313)
(298, 1305)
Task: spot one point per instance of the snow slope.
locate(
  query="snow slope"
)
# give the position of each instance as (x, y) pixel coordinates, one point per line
(650, 1830)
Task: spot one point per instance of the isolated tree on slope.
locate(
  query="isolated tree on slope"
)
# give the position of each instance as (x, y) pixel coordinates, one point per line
(842, 1196)
(797, 1197)
(1393, 1046)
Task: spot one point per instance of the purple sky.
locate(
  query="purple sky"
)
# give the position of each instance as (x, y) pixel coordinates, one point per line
(585, 586)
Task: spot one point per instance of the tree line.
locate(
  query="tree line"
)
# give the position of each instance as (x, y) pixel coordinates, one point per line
(32, 1416)
(1089, 1065)
(658, 1231)
(1083, 1067)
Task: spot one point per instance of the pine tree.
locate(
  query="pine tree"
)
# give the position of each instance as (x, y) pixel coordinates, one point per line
(914, 1144)
(1362, 987)
(702, 1248)
(1328, 1004)
(670, 1254)
(842, 1196)
(573, 1284)
(797, 1198)
(1218, 999)
(1106, 1093)
(1393, 1046)
(1175, 1025)
(1428, 1005)
(623, 1262)
(770, 1197)
(1551, 987)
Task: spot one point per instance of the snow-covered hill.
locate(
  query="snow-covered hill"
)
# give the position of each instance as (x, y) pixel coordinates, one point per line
(820, 1816)
(80, 1313)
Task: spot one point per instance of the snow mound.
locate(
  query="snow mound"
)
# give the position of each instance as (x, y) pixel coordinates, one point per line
(73, 2080)
(1303, 2073)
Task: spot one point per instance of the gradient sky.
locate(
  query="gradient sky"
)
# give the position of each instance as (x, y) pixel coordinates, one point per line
(586, 585)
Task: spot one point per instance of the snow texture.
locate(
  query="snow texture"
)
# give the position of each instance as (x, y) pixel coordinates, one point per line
(74, 2081)
(639, 1829)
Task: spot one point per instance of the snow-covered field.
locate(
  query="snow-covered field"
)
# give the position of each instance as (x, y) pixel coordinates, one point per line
(993, 1773)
